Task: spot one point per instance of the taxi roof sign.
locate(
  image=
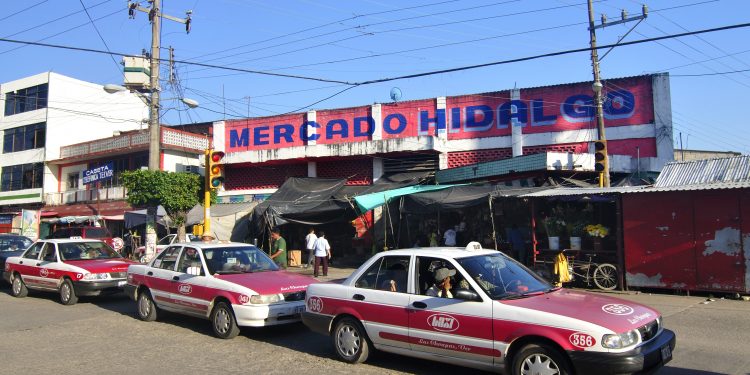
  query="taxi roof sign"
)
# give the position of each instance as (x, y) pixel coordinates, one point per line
(473, 246)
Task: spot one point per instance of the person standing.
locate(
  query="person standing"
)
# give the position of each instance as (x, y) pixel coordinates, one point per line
(322, 254)
(278, 249)
(518, 244)
(310, 246)
(449, 237)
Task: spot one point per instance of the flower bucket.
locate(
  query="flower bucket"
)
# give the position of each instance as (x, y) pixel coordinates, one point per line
(575, 243)
(554, 243)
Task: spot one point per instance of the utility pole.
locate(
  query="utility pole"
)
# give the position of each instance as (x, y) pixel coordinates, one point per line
(154, 150)
(597, 86)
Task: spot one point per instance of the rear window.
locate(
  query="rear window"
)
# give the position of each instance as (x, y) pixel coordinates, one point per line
(97, 233)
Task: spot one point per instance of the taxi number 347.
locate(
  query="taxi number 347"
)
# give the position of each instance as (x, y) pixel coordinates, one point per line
(582, 340)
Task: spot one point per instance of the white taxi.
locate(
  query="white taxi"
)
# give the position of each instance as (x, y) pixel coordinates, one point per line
(232, 284)
(71, 267)
(481, 309)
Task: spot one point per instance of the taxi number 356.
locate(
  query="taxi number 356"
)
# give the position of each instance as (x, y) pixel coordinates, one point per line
(582, 340)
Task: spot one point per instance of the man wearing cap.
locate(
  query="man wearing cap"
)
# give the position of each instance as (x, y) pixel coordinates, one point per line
(278, 249)
(442, 286)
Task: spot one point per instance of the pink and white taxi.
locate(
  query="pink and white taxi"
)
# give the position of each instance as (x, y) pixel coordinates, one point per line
(232, 284)
(479, 308)
(72, 267)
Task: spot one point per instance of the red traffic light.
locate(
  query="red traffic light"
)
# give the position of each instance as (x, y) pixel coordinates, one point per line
(216, 156)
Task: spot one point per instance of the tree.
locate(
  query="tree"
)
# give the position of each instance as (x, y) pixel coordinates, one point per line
(176, 192)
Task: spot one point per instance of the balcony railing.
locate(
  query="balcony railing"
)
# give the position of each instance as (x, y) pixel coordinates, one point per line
(170, 138)
(85, 196)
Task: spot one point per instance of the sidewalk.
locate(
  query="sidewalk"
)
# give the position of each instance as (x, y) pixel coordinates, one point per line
(334, 272)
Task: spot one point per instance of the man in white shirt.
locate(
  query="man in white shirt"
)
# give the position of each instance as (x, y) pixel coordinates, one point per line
(322, 253)
(449, 237)
(310, 246)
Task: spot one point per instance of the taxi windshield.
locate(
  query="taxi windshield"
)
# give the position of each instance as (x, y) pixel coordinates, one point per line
(240, 259)
(86, 251)
(502, 277)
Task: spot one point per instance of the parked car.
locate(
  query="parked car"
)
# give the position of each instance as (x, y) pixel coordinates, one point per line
(12, 245)
(87, 232)
(72, 268)
(480, 308)
(231, 284)
(165, 241)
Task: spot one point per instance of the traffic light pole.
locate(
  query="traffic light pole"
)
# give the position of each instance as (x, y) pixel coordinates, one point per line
(207, 196)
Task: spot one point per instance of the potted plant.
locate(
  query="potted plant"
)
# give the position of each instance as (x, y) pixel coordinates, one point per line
(597, 232)
(576, 229)
(555, 227)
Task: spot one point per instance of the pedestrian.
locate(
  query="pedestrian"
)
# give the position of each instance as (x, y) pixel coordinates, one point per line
(449, 237)
(310, 246)
(322, 254)
(278, 249)
(517, 243)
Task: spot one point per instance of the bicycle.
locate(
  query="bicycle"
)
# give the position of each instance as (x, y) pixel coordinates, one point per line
(604, 275)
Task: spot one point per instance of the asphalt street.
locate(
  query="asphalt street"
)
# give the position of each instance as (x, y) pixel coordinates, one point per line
(102, 336)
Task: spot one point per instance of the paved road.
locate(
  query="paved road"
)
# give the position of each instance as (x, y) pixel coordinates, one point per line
(101, 336)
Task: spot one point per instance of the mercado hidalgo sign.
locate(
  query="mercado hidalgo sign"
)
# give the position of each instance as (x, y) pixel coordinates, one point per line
(627, 101)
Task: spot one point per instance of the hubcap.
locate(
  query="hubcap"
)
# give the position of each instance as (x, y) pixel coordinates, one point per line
(65, 291)
(144, 306)
(221, 322)
(539, 364)
(348, 340)
(17, 285)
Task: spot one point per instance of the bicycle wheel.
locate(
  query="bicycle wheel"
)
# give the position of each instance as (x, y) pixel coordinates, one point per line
(605, 276)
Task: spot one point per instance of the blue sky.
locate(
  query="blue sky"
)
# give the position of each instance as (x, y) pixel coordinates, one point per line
(384, 38)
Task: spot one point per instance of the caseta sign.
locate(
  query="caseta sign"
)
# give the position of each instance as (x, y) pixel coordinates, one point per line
(101, 173)
(627, 101)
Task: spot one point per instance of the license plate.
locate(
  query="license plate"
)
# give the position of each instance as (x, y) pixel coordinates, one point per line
(666, 353)
(121, 283)
(299, 309)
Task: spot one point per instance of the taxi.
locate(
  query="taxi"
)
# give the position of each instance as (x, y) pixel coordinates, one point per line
(480, 308)
(71, 267)
(231, 284)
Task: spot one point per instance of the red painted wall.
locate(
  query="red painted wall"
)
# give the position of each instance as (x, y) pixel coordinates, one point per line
(688, 240)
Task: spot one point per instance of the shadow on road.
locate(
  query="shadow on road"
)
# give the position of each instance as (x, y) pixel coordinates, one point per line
(683, 371)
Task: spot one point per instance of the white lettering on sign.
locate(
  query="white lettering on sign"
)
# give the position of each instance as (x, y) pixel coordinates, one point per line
(444, 345)
(100, 173)
(315, 304)
(582, 340)
(617, 309)
(186, 289)
(639, 318)
(291, 287)
(442, 322)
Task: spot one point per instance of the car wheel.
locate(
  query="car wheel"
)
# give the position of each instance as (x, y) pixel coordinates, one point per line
(145, 307)
(351, 341)
(540, 359)
(17, 287)
(67, 293)
(223, 321)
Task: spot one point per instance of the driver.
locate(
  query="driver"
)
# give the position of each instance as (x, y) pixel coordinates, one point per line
(442, 287)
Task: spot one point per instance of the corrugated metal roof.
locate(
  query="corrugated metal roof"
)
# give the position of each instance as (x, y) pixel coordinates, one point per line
(559, 192)
(702, 172)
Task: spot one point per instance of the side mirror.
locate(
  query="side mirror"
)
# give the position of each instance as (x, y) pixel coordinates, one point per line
(195, 271)
(467, 295)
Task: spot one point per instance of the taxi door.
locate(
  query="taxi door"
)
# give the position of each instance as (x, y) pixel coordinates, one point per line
(50, 270)
(190, 287)
(380, 297)
(449, 326)
(27, 265)
(161, 277)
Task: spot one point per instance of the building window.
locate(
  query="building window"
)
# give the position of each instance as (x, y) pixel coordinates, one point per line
(20, 177)
(25, 100)
(73, 181)
(24, 137)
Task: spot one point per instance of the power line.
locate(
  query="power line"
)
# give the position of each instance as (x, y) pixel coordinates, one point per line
(117, 66)
(46, 23)
(710, 74)
(23, 10)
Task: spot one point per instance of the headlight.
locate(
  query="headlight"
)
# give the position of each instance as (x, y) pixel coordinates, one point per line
(265, 299)
(96, 276)
(622, 340)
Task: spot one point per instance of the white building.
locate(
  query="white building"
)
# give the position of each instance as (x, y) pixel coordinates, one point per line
(41, 114)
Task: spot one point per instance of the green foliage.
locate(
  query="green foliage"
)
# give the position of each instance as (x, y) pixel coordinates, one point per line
(176, 192)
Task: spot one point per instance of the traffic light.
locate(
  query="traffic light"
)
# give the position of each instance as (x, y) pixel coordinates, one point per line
(600, 156)
(215, 169)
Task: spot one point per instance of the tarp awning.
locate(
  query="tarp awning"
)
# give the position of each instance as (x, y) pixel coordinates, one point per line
(369, 201)
(452, 198)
